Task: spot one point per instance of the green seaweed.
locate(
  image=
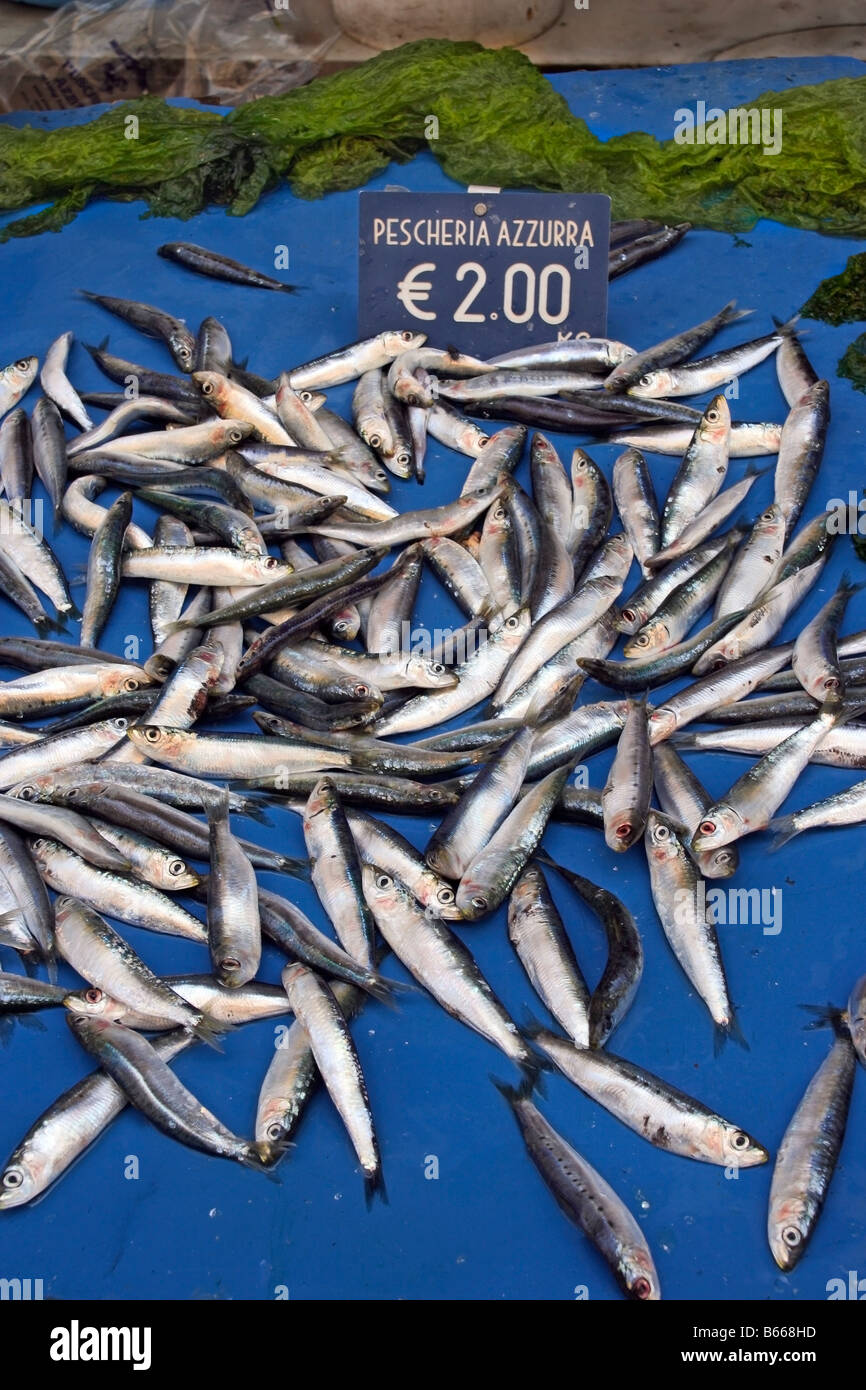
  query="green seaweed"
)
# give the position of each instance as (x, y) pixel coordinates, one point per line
(497, 121)
(852, 363)
(841, 298)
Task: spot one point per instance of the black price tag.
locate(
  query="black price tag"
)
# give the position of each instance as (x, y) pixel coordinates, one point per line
(484, 272)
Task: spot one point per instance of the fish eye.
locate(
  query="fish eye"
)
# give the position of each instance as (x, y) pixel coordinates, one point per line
(404, 458)
(437, 668)
(271, 563)
(120, 723)
(723, 857)
(629, 615)
(662, 832)
(306, 396)
(512, 622)
(40, 843)
(207, 388)
(93, 996)
(646, 380)
(380, 475)
(741, 1141)
(152, 734)
(792, 1236)
(274, 1131)
(230, 963)
(623, 831)
(383, 881)
(580, 464)
(374, 441)
(498, 512)
(235, 436)
(642, 640)
(13, 1178)
(407, 335)
(445, 896)
(768, 515)
(23, 365)
(483, 439)
(130, 684)
(641, 1288)
(707, 827)
(361, 691)
(176, 868)
(27, 793)
(712, 416)
(479, 904)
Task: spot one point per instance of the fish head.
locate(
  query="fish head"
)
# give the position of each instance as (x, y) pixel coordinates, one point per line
(122, 680)
(37, 789)
(735, 1147)
(661, 837)
(21, 373)
(661, 723)
(512, 630)
(382, 892)
(650, 638)
(22, 1179)
(653, 384)
(229, 433)
(395, 343)
(631, 617)
(430, 675)
(787, 1231)
(720, 825)
(293, 974)
(498, 519)
(155, 740)
(95, 1003)
(321, 798)
(584, 472)
(639, 1275)
(715, 423)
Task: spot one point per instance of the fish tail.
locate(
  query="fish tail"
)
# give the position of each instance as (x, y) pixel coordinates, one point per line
(261, 1157)
(784, 829)
(732, 1030)
(386, 991)
(374, 1186)
(209, 1032)
(827, 1016)
(730, 313)
(788, 328)
(251, 807)
(512, 1093)
(297, 868)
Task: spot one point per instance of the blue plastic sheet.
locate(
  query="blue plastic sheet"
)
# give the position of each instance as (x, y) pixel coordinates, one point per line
(468, 1215)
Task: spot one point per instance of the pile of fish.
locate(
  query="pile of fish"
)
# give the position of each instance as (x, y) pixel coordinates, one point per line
(282, 585)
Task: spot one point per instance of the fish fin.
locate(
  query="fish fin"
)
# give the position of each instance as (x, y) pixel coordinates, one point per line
(730, 313)
(253, 809)
(297, 868)
(788, 328)
(827, 1016)
(290, 289)
(733, 1031)
(512, 1093)
(259, 1158)
(209, 1032)
(7, 1026)
(374, 1186)
(753, 471)
(784, 829)
(28, 1021)
(384, 990)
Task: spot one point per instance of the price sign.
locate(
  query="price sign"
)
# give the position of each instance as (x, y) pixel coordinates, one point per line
(484, 271)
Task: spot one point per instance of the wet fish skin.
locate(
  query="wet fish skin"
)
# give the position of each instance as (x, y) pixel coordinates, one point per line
(626, 795)
(587, 1200)
(336, 871)
(660, 1113)
(103, 569)
(219, 267)
(538, 935)
(151, 1086)
(808, 1154)
(234, 927)
(335, 1055)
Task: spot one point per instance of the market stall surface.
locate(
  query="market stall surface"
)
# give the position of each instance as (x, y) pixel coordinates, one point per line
(468, 1217)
